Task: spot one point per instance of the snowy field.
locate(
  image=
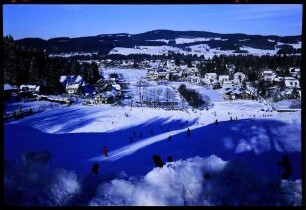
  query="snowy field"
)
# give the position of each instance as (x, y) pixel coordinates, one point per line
(287, 104)
(238, 159)
(199, 49)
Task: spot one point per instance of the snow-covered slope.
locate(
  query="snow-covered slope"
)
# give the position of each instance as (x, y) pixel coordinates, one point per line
(75, 137)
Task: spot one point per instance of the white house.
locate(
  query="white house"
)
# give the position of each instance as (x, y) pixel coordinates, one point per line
(152, 74)
(295, 72)
(29, 88)
(194, 79)
(73, 88)
(291, 82)
(223, 79)
(268, 75)
(163, 74)
(239, 76)
(209, 78)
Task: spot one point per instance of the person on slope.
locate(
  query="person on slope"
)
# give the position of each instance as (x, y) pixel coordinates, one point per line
(286, 166)
(105, 151)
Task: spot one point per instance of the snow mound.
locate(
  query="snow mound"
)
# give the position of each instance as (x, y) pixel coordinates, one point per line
(195, 181)
(199, 182)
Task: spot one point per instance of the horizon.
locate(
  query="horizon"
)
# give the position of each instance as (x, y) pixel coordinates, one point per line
(53, 21)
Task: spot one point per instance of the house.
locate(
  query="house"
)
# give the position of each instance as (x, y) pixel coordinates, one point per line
(163, 74)
(194, 79)
(233, 91)
(209, 78)
(71, 79)
(295, 72)
(291, 82)
(29, 88)
(223, 79)
(75, 88)
(239, 76)
(175, 75)
(106, 97)
(268, 76)
(152, 75)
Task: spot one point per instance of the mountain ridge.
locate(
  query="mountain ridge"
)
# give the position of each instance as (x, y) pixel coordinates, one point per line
(103, 43)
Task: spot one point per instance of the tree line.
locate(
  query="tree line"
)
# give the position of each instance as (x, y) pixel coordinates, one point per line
(33, 66)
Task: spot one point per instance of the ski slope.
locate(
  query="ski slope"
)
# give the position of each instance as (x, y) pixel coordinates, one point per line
(237, 158)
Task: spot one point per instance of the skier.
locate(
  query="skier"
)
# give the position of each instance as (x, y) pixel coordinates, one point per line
(169, 138)
(287, 167)
(188, 132)
(151, 131)
(95, 168)
(105, 151)
(158, 161)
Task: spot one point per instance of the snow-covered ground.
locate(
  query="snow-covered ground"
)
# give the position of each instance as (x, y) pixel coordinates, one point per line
(151, 50)
(196, 50)
(242, 149)
(287, 104)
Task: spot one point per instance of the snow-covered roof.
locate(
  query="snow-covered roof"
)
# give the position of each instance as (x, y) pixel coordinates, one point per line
(239, 73)
(289, 78)
(223, 76)
(71, 79)
(73, 86)
(31, 87)
(63, 78)
(8, 87)
(211, 74)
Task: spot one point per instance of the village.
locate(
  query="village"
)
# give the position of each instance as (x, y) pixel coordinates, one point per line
(113, 88)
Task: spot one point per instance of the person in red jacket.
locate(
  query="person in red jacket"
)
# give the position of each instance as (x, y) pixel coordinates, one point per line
(105, 151)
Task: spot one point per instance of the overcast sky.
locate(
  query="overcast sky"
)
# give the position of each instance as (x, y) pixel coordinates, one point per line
(48, 21)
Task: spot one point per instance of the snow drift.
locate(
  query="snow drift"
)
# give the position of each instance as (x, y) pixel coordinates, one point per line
(195, 181)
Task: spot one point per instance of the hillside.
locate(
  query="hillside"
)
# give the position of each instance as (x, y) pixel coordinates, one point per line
(104, 43)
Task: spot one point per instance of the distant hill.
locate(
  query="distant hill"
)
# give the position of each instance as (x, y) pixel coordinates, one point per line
(104, 43)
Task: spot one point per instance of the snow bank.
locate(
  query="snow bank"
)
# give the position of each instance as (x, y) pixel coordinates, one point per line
(200, 182)
(194, 181)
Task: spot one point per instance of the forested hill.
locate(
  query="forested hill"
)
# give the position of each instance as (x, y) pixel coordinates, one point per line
(105, 42)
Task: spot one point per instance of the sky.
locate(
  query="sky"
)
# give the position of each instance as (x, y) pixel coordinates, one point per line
(49, 21)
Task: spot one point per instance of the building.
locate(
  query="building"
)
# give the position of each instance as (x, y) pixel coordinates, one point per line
(29, 88)
(210, 78)
(291, 82)
(75, 88)
(223, 79)
(239, 76)
(71, 79)
(295, 72)
(268, 76)
(152, 75)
